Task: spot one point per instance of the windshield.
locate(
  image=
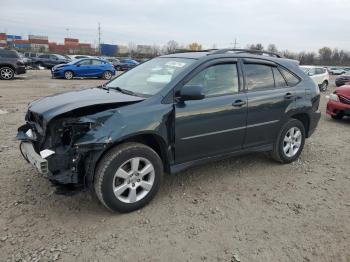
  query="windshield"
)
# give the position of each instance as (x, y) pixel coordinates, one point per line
(150, 77)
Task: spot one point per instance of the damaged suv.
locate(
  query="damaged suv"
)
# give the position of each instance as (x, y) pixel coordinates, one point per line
(166, 115)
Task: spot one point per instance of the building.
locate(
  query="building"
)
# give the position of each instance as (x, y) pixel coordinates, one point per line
(3, 40)
(21, 44)
(144, 49)
(39, 43)
(123, 49)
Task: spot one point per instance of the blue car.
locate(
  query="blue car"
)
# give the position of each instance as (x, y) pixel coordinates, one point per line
(125, 64)
(85, 67)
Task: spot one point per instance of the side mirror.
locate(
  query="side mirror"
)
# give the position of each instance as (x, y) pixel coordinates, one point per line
(191, 92)
(310, 74)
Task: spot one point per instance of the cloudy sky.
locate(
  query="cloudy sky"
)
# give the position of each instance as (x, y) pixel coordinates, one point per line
(290, 24)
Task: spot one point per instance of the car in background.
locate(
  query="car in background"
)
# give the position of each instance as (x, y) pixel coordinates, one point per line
(49, 60)
(342, 80)
(86, 67)
(10, 64)
(319, 74)
(27, 61)
(76, 57)
(336, 71)
(125, 64)
(338, 104)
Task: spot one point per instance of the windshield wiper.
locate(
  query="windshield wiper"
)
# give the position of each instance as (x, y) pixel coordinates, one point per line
(124, 91)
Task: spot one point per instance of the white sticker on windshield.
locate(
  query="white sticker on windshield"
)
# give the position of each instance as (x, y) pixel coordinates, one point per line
(175, 64)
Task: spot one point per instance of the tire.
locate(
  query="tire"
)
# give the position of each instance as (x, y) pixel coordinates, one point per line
(107, 75)
(338, 116)
(144, 185)
(324, 86)
(68, 75)
(7, 73)
(279, 152)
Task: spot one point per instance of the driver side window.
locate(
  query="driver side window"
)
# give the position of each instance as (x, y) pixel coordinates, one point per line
(216, 80)
(85, 62)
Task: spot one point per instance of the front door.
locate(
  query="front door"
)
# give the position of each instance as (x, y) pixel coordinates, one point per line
(215, 125)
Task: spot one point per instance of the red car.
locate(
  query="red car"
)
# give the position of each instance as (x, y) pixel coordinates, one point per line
(339, 102)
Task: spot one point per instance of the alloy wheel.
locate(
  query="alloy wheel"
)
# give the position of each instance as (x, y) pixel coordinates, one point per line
(6, 73)
(292, 142)
(133, 180)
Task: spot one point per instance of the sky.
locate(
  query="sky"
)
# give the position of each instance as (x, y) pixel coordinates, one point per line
(296, 25)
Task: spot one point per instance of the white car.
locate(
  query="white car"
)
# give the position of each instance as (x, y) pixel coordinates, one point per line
(319, 74)
(336, 71)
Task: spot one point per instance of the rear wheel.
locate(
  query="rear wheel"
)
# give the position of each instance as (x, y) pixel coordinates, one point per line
(68, 75)
(290, 142)
(128, 177)
(107, 75)
(324, 86)
(7, 73)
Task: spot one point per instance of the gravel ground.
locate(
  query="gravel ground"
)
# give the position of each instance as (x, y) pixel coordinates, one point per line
(247, 208)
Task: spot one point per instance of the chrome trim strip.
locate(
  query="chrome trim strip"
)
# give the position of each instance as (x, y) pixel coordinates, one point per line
(230, 130)
(263, 123)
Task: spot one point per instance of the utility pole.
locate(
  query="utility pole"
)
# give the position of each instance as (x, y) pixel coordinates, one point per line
(235, 44)
(99, 37)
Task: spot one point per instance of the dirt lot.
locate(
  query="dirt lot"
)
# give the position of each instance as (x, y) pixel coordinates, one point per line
(247, 208)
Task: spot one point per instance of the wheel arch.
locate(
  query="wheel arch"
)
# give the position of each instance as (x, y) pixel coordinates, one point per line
(304, 118)
(8, 65)
(154, 141)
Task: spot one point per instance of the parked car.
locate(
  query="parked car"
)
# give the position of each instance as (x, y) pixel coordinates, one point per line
(318, 74)
(27, 61)
(168, 114)
(76, 57)
(10, 64)
(336, 71)
(342, 80)
(85, 67)
(49, 60)
(338, 104)
(125, 64)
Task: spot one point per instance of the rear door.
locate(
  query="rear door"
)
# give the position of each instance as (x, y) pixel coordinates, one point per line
(97, 67)
(269, 98)
(215, 125)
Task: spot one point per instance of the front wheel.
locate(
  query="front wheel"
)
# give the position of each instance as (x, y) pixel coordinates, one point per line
(290, 142)
(68, 75)
(107, 75)
(7, 73)
(128, 177)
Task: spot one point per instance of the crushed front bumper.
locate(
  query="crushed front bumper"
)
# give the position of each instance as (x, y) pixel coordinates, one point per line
(28, 152)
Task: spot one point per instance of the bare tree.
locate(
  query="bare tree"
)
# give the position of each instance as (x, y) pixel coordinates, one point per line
(172, 46)
(132, 48)
(272, 48)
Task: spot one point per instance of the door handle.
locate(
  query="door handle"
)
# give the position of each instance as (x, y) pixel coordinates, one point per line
(288, 96)
(238, 103)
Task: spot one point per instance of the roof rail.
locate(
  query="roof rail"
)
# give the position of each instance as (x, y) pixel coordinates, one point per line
(239, 51)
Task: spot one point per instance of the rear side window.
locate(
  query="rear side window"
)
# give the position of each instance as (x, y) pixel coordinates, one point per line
(259, 77)
(291, 79)
(279, 79)
(8, 54)
(96, 62)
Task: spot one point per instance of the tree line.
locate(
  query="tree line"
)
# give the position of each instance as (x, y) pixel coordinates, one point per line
(325, 56)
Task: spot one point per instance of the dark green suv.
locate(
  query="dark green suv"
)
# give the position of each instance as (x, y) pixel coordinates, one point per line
(168, 114)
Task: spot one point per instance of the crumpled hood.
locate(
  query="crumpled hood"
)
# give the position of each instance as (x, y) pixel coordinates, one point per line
(54, 105)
